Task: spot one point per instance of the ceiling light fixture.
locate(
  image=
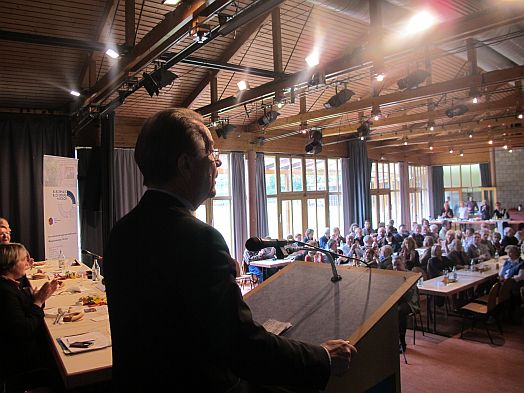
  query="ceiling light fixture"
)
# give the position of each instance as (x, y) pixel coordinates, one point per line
(451, 151)
(457, 110)
(510, 150)
(199, 29)
(475, 100)
(243, 85)
(413, 80)
(112, 53)
(470, 135)
(157, 80)
(339, 98)
(171, 2)
(363, 130)
(505, 147)
(431, 146)
(268, 117)
(224, 130)
(315, 146)
(405, 141)
(421, 21)
(74, 93)
(461, 153)
(313, 59)
(520, 116)
(380, 77)
(490, 141)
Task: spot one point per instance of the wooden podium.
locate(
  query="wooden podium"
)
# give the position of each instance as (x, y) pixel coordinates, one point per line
(360, 308)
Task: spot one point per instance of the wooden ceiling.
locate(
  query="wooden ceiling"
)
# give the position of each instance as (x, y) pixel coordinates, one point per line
(475, 49)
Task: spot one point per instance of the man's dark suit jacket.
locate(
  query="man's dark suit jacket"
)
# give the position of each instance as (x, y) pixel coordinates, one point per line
(178, 321)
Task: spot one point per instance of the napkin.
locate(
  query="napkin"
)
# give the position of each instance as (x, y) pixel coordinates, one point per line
(98, 340)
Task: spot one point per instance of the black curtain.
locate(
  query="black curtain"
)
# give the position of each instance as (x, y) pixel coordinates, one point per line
(437, 181)
(24, 142)
(485, 175)
(359, 177)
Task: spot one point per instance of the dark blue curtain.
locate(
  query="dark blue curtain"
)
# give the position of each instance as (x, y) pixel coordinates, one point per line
(359, 177)
(485, 175)
(24, 142)
(437, 181)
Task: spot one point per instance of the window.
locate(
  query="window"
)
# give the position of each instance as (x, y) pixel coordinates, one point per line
(302, 193)
(385, 192)
(462, 181)
(218, 210)
(418, 192)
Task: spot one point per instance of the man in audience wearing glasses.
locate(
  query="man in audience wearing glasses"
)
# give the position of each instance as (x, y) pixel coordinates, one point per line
(193, 333)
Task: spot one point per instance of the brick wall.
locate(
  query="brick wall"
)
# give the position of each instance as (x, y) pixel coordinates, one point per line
(510, 177)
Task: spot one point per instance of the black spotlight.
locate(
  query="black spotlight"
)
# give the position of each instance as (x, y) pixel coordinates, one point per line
(157, 80)
(413, 80)
(363, 129)
(268, 117)
(315, 146)
(457, 110)
(224, 130)
(317, 79)
(340, 98)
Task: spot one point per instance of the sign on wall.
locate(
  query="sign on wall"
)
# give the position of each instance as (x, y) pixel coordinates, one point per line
(60, 207)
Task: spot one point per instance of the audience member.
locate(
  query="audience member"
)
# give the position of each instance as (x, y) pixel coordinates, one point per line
(457, 256)
(437, 263)
(485, 246)
(425, 222)
(509, 238)
(427, 244)
(485, 210)
(176, 156)
(351, 247)
(446, 226)
(471, 206)
(519, 235)
(324, 239)
(462, 212)
(409, 253)
(495, 240)
(309, 235)
(367, 230)
(313, 255)
(370, 257)
(392, 241)
(402, 233)
(381, 237)
(337, 236)
(386, 257)
(417, 235)
(392, 225)
(473, 250)
(446, 211)
(445, 244)
(500, 213)
(359, 236)
(25, 348)
(434, 231)
(513, 268)
(5, 235)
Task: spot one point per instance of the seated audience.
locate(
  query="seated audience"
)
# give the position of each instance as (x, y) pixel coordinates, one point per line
(470, 233)
(446, 226)
(425, 222)
(446, 211)
(25, 348)
(265, 253)
(428, 243)
(500, 213)
(402, 233)
(434, 231)
(519, 235)
(391, 240)
(437, 263)
(391, 226)
(309, 235)
(473, 250)
(381, 237)
(298, 238)
(370, 257)
(351, 247)
(337, 236)
(457, 256)
(370, 244)
(333, 246)
(409, 253)
(513, 268)
(353, 227)
(417, 235)
(313, 255)
(359, 236)
(322, 242)
(5, 234)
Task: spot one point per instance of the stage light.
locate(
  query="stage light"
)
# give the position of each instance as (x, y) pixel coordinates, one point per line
(413, 80)
(475, 100)
(461, 153)
(363, 130)
(490, 142)
(158, 79)
(505, 147)
(520, 116)
(380, 77)
(243, 85)
(315, 146)
(316, 79)
(339, 99)
(382, 158)
(313, 59)
(405, 141)
(74, 93)
(419, 22)
(431, 147)
(457, 110)
(112, 53)
(451, 151)
(225, 130)
(470, 135)
(268, 117)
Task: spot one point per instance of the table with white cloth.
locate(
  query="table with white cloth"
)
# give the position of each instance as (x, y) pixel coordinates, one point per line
(90, 365)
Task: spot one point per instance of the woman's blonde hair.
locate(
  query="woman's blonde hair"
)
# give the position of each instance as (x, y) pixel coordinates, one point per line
(10, 253)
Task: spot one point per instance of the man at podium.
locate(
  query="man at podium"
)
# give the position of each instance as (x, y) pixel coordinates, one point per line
(178, 319)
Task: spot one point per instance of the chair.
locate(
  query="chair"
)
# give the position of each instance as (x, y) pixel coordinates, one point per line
(477, 311)
(414, 312)
(246, 278)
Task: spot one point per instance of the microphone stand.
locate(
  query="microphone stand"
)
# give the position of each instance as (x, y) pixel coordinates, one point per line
(329, 254)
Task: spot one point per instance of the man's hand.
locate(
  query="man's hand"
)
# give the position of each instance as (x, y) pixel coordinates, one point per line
(340, 352)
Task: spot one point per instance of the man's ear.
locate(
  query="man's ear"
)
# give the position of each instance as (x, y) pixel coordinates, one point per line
(184, 164)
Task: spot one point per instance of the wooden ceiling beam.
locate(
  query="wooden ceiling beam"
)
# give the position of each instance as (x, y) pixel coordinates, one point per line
(228, 53)
(448, 31)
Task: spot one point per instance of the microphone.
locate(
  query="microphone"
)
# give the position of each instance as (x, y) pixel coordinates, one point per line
(257, 244)
(87, 252)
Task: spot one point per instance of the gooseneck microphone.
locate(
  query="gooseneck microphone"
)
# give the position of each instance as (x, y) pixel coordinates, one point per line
(257, 244)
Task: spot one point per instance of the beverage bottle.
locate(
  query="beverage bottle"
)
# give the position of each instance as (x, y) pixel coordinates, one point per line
(454, 274)
(96, 270)
(496, 256)
(472, 264)
(61, 260)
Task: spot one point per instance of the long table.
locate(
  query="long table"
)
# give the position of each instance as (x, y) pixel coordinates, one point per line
(84, 368)
(465, 279)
